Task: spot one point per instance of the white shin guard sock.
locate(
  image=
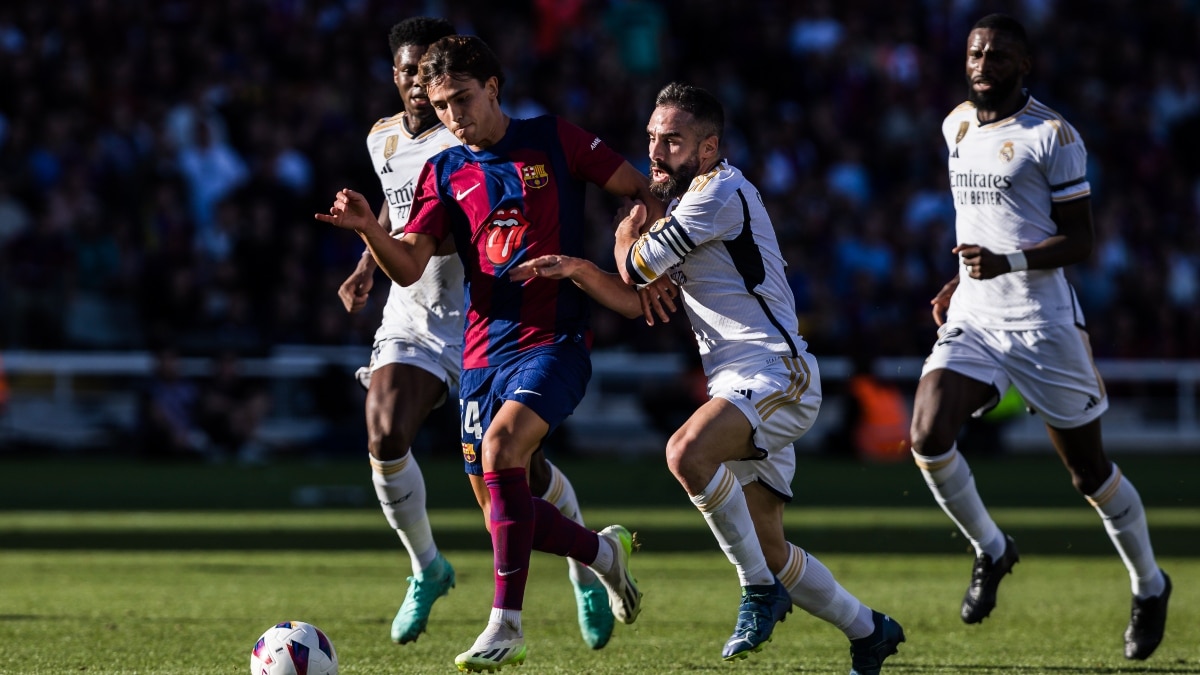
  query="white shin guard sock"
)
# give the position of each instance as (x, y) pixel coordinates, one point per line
(724, 507)
(949, 479)
(561, 494)
(1120, 506)
(400, 487)
(813, 589)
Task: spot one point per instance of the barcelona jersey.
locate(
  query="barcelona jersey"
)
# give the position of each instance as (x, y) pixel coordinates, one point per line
(514, 201)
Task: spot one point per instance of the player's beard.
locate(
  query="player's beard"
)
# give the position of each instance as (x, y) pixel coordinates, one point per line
(678, 179)
(994, 97)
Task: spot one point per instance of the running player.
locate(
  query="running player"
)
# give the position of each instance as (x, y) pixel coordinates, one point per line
(1023, 203)
(734, 456)
(514, 190)
(415, 360)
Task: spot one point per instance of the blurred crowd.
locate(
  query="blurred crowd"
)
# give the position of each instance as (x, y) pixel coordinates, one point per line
(160, 160)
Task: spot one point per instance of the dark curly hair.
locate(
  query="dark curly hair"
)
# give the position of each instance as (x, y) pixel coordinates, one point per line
(418, 30)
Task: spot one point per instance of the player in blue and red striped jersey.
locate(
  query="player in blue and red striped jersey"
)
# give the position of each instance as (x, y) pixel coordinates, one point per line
(512, 192)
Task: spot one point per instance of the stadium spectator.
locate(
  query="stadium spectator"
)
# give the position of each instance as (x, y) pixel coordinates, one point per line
(875, 416)
(230, 410)
(526, 358)
(168, 412)
(1018, 174)
(215, 63)
(4, 390)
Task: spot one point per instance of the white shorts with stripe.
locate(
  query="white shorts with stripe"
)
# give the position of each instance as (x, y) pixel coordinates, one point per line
(444, 365)
(781, 398)
(1051, 367)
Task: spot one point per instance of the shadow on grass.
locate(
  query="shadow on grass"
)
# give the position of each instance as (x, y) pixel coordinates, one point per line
(1019, 668)
(1172, 540)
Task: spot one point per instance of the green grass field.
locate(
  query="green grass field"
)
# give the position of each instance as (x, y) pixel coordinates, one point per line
(116, 567)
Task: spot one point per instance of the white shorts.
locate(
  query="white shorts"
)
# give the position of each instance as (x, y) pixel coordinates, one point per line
(781, 399)
(1051, 367)
(444, 365)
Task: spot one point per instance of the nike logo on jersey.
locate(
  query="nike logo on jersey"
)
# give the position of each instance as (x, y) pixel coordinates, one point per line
(505, 573)
(526, 391)
(459, 195)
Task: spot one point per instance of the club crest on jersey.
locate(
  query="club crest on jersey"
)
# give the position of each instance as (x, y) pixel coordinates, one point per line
(1006, 151)
(389, 146)
(660, 224)
(962, 131)
(505, 234)
(535, 175)
(469, 452)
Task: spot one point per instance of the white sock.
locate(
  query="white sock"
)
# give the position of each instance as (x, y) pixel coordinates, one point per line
(400, 488)
(503, 624)
(1120, 505)
(561, 494)
(724, 507)
(606, 555)
(814, 590)
(510, 618)
(949, 479)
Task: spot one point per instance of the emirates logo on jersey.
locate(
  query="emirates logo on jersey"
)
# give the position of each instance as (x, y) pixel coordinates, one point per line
(505, 235)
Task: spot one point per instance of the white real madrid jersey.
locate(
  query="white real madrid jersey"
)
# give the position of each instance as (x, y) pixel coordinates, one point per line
(718, 244)
(1004, 177)
(429, 311)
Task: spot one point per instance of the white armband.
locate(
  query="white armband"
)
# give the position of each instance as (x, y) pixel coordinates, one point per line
(1017, 261)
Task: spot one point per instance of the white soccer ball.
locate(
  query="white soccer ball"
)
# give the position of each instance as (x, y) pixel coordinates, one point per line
(293, 648)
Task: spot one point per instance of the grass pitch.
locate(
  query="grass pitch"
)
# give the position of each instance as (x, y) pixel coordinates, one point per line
(199, 611)
(108, 567)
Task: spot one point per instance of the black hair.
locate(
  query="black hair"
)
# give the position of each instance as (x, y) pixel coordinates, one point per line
(707, 111)
(418, 30)
(1003, 23)
(458, 56)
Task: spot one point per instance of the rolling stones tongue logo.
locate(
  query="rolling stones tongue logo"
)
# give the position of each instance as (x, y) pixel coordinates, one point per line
(505, 235)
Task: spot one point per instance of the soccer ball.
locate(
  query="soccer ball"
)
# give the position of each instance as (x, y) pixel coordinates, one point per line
(293, 648)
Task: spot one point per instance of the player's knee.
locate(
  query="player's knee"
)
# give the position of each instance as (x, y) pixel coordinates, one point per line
(386, 443)
(677, 455)
(929, 442)
(1088, 479)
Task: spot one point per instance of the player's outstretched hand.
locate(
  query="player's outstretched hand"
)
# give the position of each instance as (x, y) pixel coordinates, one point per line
(658, 298)
(549, 267)
(350, 211)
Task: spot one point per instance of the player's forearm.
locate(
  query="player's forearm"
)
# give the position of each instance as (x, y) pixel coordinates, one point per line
(366, 262)
(395, 258)
(1072, 244)
(1058, 251)
(608, 290)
